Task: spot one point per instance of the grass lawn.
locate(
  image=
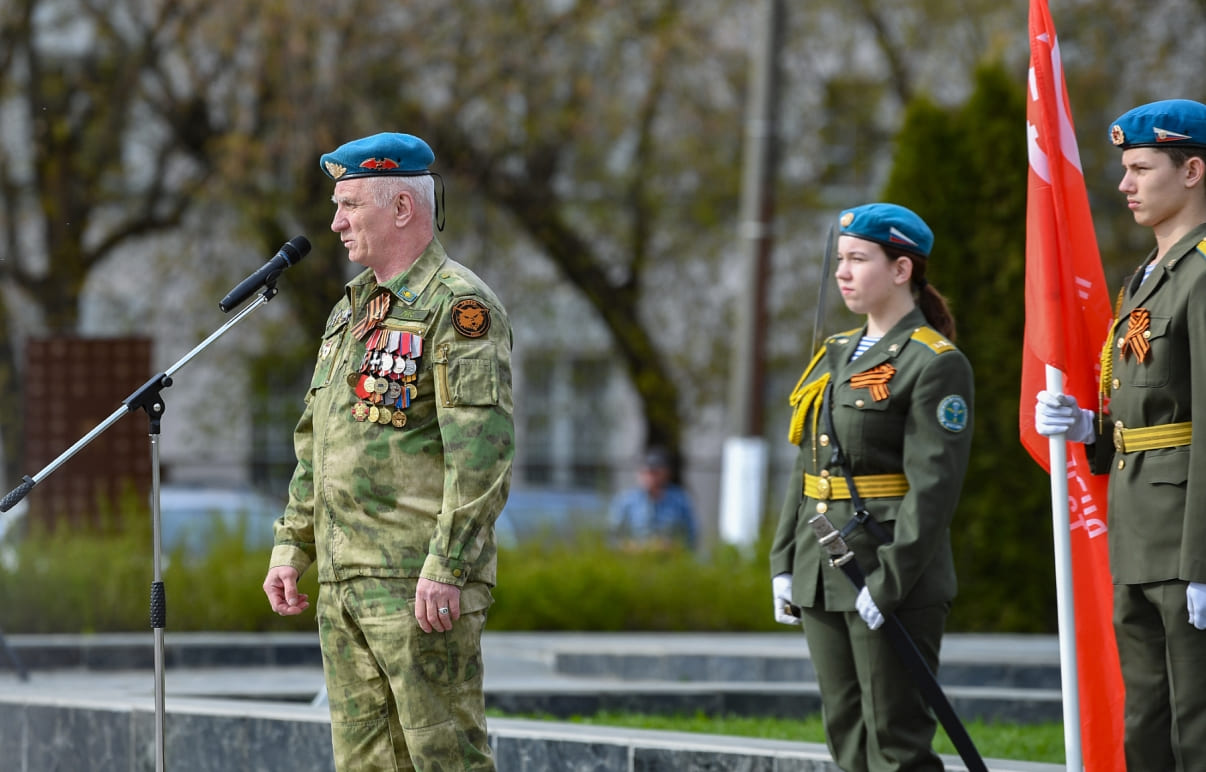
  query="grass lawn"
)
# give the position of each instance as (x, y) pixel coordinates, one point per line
(1023, 742)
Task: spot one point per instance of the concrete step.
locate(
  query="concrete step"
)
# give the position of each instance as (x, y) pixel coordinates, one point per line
(234, 700)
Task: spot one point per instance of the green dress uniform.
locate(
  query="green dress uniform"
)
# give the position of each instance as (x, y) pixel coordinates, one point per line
(902, 416)
(404, 454)
(1154, 377)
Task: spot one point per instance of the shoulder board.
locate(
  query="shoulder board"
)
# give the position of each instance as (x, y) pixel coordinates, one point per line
(460, 282)
(1202, 247)
(931, 338)
(842, 337)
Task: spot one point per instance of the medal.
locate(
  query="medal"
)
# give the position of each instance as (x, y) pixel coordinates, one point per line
(373, 414)
(360, 411)
(399, 419)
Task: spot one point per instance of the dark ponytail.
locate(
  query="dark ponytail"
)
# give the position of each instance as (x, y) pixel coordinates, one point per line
(930, 300)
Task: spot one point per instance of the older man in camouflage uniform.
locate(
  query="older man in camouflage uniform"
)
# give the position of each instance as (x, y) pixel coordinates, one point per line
(404, 457)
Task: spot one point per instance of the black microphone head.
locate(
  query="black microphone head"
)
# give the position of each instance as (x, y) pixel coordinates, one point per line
(295, 249)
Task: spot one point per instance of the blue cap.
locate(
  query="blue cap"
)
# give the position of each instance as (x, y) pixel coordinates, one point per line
(889, 225)
(1169, 123)
(381, 155)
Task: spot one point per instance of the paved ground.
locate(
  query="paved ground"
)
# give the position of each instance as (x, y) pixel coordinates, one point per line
(515, 663)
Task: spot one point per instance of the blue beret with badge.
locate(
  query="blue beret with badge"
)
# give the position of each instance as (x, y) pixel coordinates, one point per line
(889, 225)
(1167, 123)
(380, 155)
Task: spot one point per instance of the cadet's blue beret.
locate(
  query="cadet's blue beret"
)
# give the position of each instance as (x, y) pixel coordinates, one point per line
(1169, 123)
(889, 225)
(385, 154)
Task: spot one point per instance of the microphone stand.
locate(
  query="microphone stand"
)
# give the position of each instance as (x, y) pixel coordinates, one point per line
(147, 398)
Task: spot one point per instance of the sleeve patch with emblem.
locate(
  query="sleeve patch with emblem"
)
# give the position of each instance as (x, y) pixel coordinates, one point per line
(952, 413)
(470, 317)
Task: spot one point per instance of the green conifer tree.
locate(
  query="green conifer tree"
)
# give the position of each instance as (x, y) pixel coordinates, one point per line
(964, 171)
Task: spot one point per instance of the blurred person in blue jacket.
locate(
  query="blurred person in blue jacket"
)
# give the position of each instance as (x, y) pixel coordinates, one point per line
(657, 513)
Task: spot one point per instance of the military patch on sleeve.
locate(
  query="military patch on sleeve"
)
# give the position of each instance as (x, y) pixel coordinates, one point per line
(470, 317)
(952, 413)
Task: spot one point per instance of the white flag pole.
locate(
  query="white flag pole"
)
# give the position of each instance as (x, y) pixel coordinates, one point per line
(1062, 529)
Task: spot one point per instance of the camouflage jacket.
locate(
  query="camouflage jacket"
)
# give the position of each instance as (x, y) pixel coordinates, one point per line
(404, 460)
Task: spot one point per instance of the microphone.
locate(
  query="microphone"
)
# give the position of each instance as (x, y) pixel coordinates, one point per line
(293, 250)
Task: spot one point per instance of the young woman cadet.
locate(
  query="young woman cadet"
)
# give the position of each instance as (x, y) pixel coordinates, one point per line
(887, 406)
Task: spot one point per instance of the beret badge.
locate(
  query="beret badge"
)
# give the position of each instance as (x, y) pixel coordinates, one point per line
(847, 218)
(379, 164)
(1116, 135)
(335, 170)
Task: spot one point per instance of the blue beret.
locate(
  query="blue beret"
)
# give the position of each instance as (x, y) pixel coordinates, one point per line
(889, 225)
(381, 155)
(1169, 123)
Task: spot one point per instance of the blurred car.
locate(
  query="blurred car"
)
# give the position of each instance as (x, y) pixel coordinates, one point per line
(536, 515)
(193, 517)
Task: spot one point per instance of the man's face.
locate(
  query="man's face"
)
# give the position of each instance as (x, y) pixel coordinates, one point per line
(366, 229)
(653, 477)
(1155, 187)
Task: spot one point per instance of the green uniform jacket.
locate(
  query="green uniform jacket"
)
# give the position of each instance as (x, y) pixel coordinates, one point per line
(368, 499)
(923, 429)
(1157, 498)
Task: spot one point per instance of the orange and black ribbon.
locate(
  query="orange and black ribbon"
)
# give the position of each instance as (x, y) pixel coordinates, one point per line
(377, 309)
(1135, 342)
(876, 379)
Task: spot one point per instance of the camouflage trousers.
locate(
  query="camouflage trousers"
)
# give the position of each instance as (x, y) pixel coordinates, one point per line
(400, 698)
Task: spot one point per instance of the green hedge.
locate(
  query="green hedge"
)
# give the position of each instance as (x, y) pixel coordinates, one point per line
(98, 580)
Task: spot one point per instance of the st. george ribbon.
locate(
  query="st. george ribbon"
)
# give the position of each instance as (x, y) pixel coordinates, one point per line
(293, 251)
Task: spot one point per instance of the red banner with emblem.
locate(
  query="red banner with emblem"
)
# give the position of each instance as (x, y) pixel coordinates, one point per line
(1067, 318)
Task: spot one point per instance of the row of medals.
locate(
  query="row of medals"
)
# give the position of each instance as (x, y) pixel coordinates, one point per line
(385, 381)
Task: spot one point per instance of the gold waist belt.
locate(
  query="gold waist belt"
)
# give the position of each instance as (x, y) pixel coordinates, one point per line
(870, 486)
(1152, 437)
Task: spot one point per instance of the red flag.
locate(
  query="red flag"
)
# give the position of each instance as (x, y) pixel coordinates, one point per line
(1067, 318)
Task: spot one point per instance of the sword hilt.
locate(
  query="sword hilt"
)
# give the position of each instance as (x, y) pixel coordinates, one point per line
(831, 539)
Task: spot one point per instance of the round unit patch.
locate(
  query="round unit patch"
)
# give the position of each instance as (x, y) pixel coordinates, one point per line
(470, 317)
(952, 413)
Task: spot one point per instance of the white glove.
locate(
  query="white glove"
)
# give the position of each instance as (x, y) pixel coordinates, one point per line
(1195, 597)
(781, 589)
(1058, 414)
(868, 610)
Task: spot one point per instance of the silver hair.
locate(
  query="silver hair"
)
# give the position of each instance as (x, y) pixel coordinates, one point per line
(385, 188)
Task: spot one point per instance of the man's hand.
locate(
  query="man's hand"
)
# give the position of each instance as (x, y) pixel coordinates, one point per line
(437, 605)
(281, 588)
(1059, 414)
(1195, 598)
(781, 590)
(868, 610)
